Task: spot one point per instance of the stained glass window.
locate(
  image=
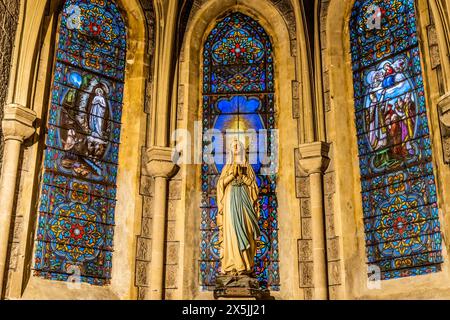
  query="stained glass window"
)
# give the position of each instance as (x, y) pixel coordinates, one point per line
(78, 194)
(402, 231)
(238, 95)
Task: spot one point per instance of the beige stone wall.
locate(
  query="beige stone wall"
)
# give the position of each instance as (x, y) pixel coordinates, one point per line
(8, 24)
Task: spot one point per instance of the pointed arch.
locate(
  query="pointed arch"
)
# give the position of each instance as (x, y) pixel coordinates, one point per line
(238, 96)
(202, 20)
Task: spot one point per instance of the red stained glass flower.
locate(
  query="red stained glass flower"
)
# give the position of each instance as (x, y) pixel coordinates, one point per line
(77, 231)
(400, 225)
(95, 28)
(238, 50)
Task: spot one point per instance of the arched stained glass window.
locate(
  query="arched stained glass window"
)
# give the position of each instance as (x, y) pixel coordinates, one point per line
(78, 194)
(238, 96)
(402, 230)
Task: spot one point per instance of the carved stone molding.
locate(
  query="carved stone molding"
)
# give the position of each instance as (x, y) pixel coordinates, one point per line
(314, 157)
(444, 109)
(159, 163)
(18, 122)
(284, 7)
(444, 117)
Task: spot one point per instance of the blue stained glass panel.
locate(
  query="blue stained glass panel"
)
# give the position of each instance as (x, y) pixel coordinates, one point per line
(402, 229)
(77, 201)
(238, 95)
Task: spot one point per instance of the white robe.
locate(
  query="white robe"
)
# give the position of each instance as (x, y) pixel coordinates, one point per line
(96, 120)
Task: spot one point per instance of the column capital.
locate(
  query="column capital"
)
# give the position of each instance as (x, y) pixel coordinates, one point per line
(444, 109)
(314, 157)
(18, 122)
(160, 163)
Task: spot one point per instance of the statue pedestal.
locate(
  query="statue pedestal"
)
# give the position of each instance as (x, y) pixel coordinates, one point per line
(239, 287)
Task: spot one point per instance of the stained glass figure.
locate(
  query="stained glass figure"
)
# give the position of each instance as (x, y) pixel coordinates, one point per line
(402, 230)
(238, 95)
(78, 195)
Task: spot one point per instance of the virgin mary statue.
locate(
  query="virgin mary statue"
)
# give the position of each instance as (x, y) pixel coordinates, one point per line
(238, 213)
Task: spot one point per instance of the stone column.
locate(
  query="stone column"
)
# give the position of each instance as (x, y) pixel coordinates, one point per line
(314, 161)
(161, 167)
(159, 164)
(17, 126)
